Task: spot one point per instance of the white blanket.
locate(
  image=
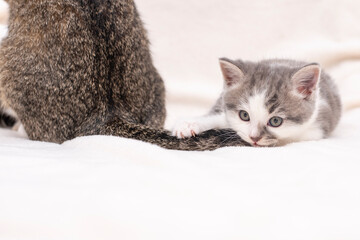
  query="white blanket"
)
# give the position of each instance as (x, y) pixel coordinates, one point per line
(113, 188)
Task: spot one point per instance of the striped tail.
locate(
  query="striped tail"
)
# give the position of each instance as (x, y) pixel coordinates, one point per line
(208, 140)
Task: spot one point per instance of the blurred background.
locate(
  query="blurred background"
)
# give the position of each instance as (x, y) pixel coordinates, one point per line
(187, 38)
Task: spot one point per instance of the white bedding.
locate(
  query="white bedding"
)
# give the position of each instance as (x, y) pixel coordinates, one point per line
(113, 188)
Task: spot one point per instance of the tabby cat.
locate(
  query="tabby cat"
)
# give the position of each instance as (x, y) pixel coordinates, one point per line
(71, 68)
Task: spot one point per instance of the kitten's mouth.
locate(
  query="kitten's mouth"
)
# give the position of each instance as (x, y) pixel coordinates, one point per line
(255, 144)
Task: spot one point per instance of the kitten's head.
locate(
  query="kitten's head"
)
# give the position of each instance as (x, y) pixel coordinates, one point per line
(269, 103)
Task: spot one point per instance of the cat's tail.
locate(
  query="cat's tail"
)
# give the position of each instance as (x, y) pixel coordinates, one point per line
(208, 140)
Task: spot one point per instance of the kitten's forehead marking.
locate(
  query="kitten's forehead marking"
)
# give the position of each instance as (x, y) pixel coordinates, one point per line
(272, 103)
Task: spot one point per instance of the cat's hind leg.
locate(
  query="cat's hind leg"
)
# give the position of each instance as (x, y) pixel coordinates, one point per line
(8, 118)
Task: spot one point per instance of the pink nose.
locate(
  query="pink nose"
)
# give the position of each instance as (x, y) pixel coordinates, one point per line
(255, 139)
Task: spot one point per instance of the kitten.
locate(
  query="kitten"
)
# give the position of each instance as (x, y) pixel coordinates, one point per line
(271, 103)
(72, 68)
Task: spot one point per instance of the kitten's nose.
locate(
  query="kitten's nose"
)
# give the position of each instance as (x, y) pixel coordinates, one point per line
(255, 139)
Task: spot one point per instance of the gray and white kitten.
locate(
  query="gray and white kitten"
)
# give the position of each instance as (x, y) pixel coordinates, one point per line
(271, 103)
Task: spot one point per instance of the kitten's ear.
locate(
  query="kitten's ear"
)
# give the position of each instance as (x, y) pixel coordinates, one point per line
(231, 73)
(306, 80)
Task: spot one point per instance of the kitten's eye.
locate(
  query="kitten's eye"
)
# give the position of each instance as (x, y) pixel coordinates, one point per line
(244, 116)
(275, 121)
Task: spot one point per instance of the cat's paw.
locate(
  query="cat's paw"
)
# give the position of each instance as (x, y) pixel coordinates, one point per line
(185, 129)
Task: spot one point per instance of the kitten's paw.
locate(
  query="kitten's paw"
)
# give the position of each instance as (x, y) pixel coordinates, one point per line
(185, 129)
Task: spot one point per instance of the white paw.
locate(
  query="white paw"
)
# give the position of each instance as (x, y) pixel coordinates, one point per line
(185, 129)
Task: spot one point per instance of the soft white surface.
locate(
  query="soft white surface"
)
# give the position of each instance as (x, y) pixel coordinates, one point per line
(113, 188)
